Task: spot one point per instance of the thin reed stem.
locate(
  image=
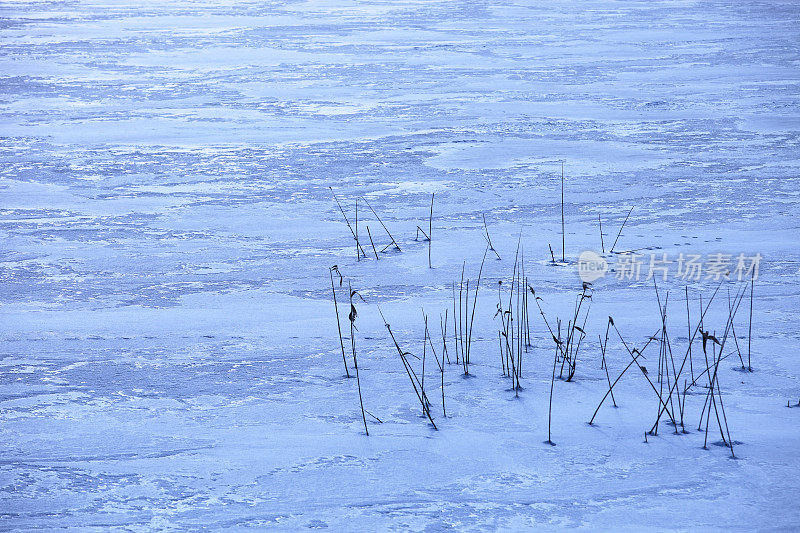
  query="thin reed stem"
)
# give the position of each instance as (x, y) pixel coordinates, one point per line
(338, 323)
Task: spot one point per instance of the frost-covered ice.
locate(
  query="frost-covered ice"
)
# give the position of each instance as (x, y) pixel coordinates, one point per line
(169, 355)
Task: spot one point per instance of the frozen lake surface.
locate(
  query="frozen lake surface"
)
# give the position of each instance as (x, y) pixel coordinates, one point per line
(169, 358)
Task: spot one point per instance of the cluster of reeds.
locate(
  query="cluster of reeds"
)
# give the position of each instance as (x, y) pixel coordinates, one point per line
(636, 356)
(360, 253)
(354, 232)
(575, 333)
(393, 242)
(671, 384)
(566, 348)
(515, 339)
(514, 334)
(417, 380)
(713, 377)
(351, 316)
(416, 384)
(464, 316)
(666, 361)
(671, 395)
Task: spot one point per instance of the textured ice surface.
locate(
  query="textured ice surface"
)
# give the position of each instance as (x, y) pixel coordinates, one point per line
(168, 350)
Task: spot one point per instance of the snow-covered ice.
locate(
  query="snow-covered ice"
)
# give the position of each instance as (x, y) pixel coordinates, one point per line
(169, 358)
